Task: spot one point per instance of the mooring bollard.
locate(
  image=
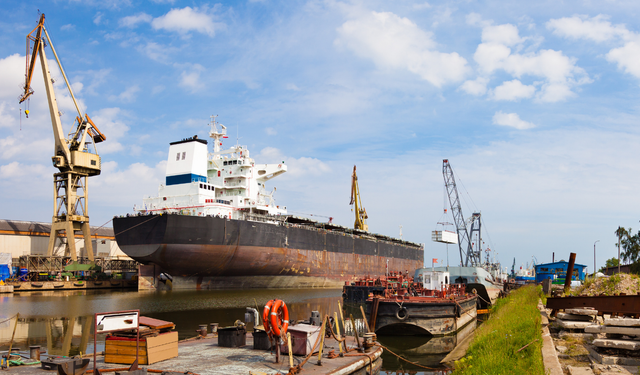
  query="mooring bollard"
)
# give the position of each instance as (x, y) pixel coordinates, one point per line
(203, 330)
(34, 352)
(214, 327)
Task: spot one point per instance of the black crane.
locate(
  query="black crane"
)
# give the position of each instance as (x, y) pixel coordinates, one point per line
(469, 257)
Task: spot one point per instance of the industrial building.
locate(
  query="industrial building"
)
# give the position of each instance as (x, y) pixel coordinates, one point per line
(32, 238)
(557, 271)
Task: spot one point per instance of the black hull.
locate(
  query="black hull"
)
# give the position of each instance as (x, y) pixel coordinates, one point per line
(192, 246)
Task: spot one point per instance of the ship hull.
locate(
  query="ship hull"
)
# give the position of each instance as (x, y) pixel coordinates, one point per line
(217, 252)
(422, 316)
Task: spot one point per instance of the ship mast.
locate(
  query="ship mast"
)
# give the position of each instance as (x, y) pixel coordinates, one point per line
(215, 134)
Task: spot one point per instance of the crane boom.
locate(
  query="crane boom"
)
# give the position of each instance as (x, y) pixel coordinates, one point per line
(361, 213)
(71, 155)
(468, 257)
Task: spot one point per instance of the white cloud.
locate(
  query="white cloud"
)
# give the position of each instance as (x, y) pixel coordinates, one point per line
(111, 124)
(155, 51)
(133, 21)
(291, 86)
(68, 27)
(97, 19)
(18, 171)
(597, 29)
(422, 6)
(296, 166)
(128, 95)
(191, 79)
(271, 131)
(397, 43)
(559, 72)
(186, 19)
(513, 90)
(627, 58)
(505, 34)
(511, 120)
(476, 87)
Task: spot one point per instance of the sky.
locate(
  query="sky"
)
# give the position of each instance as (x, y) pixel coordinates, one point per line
(534, 104)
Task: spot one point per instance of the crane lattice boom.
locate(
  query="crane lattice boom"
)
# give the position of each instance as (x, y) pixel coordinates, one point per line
(468, 257)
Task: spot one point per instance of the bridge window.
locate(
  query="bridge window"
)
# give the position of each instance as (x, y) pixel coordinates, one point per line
(184, 154)
(177, 156)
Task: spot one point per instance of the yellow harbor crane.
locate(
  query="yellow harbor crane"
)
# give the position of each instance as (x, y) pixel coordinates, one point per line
(361, 213)
(72, 157)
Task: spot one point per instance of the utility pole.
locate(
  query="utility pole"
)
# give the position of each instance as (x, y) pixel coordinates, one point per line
(594, 259)
(619, 249)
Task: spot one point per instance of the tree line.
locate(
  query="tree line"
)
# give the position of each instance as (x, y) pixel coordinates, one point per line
(629, 250)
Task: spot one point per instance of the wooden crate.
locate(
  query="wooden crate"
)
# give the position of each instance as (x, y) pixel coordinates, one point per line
(151, 349)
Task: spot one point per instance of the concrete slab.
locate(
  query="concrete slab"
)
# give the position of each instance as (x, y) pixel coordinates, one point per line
(6, 288)
(579, 370)
(569, 324)
(583, 311)
(611, 360)
(622, 322)
(617, 344)
(629, 331)
(576, 335)
(575, 317)
(613, 369)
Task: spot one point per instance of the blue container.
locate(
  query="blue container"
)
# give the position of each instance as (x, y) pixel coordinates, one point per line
(23, 271)
(4, 272)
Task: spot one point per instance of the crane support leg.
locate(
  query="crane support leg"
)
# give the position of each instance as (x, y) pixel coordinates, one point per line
(70, 207)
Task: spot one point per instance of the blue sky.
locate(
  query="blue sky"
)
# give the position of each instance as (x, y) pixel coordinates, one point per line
(534, 104)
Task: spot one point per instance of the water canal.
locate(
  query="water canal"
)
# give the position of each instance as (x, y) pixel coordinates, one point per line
(62, 321)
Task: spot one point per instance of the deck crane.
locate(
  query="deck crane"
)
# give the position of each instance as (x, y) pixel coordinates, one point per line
(361, 213)
(470, 255)
(72, 154)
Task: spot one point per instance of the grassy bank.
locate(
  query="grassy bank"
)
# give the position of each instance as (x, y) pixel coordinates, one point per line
(514, 323)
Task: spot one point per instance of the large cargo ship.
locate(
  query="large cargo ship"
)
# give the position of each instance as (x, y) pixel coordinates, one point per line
(214, 225)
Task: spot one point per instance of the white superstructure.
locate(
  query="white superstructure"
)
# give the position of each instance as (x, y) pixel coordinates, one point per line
(226, 183)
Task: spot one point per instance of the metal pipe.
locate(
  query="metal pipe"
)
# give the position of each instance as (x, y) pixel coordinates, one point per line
(569, 274)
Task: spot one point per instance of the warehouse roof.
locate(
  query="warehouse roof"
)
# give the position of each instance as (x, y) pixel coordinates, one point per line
(34, 228)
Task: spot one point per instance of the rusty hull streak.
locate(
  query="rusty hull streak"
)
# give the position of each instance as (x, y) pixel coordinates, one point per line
(604, 304)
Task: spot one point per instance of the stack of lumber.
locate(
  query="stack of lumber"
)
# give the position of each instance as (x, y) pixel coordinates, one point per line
(157, 342)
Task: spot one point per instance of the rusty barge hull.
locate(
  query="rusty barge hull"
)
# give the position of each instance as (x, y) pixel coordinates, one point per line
(212, 252)
(421, 316)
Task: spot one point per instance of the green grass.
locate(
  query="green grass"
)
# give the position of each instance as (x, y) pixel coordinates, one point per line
(514, 323)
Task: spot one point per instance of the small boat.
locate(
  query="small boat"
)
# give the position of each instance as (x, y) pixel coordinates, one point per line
(97, 283)
(431, 305)
(37, 285)
(358, 291)
(478, 280)
(58, 285)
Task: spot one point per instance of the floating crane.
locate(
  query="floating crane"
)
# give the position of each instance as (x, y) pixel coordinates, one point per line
(470, 255)
(361, 213)
(72, 154)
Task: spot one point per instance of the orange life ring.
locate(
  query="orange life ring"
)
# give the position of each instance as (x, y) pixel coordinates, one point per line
(265, 316)
(279, 317)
